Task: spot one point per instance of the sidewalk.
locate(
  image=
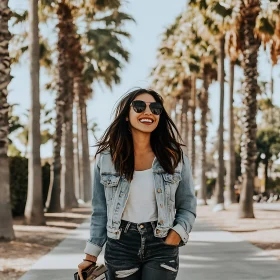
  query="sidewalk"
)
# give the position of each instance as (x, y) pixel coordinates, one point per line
(209, 254)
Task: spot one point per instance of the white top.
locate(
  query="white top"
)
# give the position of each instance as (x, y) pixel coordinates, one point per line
(141, 203)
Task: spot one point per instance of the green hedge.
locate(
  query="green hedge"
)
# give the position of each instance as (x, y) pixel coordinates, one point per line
(19, 183)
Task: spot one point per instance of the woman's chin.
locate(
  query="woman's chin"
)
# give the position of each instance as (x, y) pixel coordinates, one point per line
(144, 130)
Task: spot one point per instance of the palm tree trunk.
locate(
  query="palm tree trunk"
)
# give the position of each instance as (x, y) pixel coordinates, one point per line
(179, 114)
(6, 220)
(77, 169)
(77, 88)
(53, 201)
(219, 190)
(266, 173)
(193, 109)
(184, 121)
(85, 152)
(67, 171)
(271, 96)
(249, 12)
(203, 102)
(34, 212)
(173, 109)
(64, 13)
(231, 198)
(168, 104)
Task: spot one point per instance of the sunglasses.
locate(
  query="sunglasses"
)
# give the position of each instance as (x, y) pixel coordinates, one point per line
(139, 106)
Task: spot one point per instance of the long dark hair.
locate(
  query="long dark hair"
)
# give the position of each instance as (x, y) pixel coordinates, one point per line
(118, 139)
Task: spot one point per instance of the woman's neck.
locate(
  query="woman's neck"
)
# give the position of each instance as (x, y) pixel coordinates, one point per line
(141, 142)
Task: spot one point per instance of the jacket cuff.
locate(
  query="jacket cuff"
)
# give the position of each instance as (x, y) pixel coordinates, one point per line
(181, 231)
(92, 249)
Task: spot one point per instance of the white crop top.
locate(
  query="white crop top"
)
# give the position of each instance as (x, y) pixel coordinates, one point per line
(141, 203)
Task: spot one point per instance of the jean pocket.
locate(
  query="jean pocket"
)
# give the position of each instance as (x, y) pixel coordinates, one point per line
(166, 244)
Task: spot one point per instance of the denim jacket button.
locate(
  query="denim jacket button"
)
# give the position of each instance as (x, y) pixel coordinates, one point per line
(159, 190)
(157, 231)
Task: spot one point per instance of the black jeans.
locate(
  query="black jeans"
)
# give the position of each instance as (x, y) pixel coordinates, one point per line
(139, 255)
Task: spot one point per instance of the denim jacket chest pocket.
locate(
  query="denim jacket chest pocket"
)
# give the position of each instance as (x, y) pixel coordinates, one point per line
(110, 182)
(171, 182)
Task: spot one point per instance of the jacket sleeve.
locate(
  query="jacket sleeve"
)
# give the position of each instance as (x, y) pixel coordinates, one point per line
(98, 232)
(185, 203)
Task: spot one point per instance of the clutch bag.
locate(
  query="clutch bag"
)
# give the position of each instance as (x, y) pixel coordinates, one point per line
(93, 272)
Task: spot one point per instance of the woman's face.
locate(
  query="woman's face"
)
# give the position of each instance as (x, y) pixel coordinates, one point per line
(145, 121)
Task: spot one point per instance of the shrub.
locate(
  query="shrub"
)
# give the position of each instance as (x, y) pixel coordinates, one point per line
(19, 183)
(273, 185)
(46, 169)
(210, 186)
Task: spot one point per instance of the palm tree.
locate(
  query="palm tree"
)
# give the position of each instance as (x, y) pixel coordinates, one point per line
(249, 11)
(203, 104)
(208, 73)
(186, 96)
(231, 198)
(193, 122)
(34, 212)
(6, 221)
(233, 51)
(64, 26)
(67, 197)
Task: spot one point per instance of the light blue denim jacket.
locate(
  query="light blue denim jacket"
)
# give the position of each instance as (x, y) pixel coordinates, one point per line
(110, 194)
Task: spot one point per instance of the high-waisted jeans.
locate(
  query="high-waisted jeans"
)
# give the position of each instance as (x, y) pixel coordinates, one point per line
(139, 255)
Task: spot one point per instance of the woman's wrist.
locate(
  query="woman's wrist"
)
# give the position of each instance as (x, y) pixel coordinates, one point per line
(173, 237)
(90, 258)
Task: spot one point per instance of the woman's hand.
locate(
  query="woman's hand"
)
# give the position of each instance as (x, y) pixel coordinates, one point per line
(85, 264)
(173, 238)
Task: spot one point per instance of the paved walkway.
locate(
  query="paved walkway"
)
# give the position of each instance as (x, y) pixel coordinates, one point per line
(210, 254)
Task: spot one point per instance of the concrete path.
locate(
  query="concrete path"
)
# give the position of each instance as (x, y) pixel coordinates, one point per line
(210, 254)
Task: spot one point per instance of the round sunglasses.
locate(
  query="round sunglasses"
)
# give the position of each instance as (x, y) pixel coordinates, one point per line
(139, 106)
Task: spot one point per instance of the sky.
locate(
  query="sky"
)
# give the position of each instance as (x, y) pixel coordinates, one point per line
(152, 18)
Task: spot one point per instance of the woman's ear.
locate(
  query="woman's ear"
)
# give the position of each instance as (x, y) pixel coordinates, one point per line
(126, 119)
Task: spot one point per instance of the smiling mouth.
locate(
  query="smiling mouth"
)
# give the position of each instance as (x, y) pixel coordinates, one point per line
(146, 121)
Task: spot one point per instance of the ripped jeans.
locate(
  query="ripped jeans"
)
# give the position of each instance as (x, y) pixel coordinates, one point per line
(139, 255)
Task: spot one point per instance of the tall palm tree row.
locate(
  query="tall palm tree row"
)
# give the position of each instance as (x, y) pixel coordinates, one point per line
(172, 78)
(218, 18)
(202, 58)
(233, 24)
(6, 222)
(196, 57)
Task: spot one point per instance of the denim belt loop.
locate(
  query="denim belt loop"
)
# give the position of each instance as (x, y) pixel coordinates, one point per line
(153, 225)
(127, 227)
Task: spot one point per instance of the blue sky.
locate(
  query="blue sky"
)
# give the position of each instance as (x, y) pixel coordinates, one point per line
(152, 18)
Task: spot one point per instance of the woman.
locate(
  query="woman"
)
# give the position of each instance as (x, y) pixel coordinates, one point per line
(140, 177)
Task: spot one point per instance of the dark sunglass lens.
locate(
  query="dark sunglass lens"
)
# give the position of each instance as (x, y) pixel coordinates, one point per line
(139, 106)
(156, 108)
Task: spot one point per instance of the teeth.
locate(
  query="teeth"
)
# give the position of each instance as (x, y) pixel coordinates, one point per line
(146, 120)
